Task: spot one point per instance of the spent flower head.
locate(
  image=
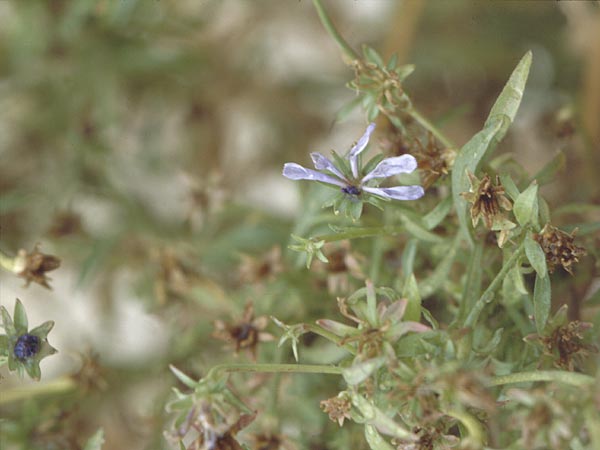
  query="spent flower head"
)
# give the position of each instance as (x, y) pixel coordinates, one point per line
(245, 334)
(559, 248)
(33, 266)
(357, 183)
(23, 348)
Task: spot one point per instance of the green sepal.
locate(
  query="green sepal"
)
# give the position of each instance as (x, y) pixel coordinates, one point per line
(42, 330)
(7, 322)
(20, 318)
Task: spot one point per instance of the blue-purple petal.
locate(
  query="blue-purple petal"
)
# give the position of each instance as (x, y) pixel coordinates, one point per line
(295, 171)
(392, 166)
(323, 163)
(397, 192)
(358, 148)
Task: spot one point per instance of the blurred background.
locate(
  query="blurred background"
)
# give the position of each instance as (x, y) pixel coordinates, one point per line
(142, 143)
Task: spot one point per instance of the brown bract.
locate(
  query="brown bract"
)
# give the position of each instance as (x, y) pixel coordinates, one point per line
(559, 248)
(33, 266)
(343, 265)
(487, 199)
(338, 408)
(433, 160)
(245, 334)
(568, 342)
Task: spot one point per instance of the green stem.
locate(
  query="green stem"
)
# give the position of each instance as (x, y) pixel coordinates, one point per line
(488, 294)
(425, 123)
(333, 32)
(560, 376)
(362, 232)
(273, 368)
(55, 387)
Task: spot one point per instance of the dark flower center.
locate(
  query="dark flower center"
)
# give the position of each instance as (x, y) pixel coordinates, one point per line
(351, 190)
(27, 346)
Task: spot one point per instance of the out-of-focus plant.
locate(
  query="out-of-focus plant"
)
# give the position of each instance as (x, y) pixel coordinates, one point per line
(418, 325)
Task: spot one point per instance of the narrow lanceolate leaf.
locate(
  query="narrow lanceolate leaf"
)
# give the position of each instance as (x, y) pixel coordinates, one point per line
(411, 292)
(535, 255)
(482, 144)
(526, 206)
(541, 301)
(183, 377)
(375, 440)
(20, 318)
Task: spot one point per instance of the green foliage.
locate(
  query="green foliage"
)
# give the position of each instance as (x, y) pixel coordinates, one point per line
(432, 324)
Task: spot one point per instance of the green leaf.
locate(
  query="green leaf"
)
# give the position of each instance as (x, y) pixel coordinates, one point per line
(535, 255)
(411, 292)
(509, 186)
(541, 301)
(472, 287)
(20, 318)
(473, 152)
(526, 206)
(96, 441)
(7, 322)
(189, 382)
(408, 256)
(372, 56)
(42, 330)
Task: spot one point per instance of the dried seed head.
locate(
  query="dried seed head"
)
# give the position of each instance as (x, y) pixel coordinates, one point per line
(559, 248)
(487, 199)
(338, 408)
(568, 342)
(33, 266)
(245, 334)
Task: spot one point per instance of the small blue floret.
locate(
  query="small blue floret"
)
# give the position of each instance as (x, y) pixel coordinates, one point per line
(27, 346)
(351, 190)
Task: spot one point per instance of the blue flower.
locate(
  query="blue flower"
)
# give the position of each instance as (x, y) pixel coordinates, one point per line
(346, 174)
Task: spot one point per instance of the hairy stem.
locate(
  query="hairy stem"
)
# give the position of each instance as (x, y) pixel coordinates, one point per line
(273, 368)
(488, 294)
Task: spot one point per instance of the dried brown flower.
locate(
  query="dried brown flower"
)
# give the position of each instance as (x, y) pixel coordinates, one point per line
(65, 223)
(269, 441)
(433, 160)
(559, 248)
(216, 436)
(568, 342)
(338, 408)
(257, 270)
(245, 334)
(488, 200)
(33, 266)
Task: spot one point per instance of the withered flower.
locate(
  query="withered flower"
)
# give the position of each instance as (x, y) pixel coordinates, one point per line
(338, 408)
(433, 160)
(213, 436)
(568, 342)
(245, 334)
(255, 270)
(559, 248)
(488, 200)
(90, 376)
(33, 266)
(65, 223)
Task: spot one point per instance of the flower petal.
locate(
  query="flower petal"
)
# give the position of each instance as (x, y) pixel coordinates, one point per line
(295, 171)
(392, 166)
(358, 148)
(397, 192)
(323, 163)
